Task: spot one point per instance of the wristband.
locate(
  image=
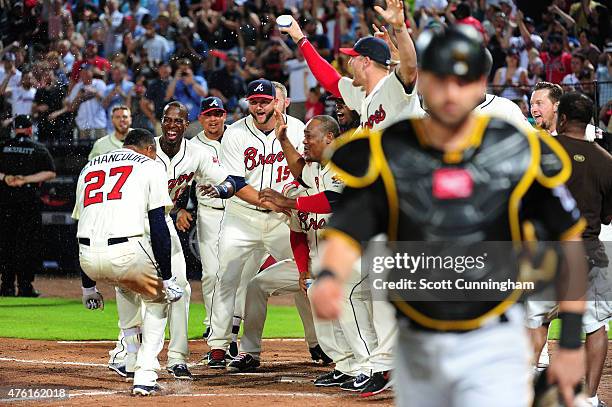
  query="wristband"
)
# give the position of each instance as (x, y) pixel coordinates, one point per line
(326, 273)
(571, 329)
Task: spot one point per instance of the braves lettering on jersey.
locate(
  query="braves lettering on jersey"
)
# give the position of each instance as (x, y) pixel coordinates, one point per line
(191, 162)
(315, 179)
(214, 148)
(114, 193)
(247, 152)
(386, 104)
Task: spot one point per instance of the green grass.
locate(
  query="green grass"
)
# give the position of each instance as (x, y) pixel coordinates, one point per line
(64, 319)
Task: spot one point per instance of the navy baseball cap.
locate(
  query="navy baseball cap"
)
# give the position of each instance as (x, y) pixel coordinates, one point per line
(211, 103)
(374, 48)
(9, 56)
(261, 88)
(22, 121)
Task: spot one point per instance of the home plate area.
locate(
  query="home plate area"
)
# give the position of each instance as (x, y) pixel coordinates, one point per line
(285, 378)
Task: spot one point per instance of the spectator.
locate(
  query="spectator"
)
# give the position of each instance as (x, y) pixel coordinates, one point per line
(157, 46)
(604, 75)
(589, 50)
(581, 76)
(141, 107)
(273, 59)
(300, 80)
(136, 11)
(73, 36)
(535, 73)
(499, 42)
(116, 92)
(544, 103)
(187, 88)
(462, 14)
(53, 122)
(99, 65)
(22, 96)
(320, 41)
(557, 63)
(86, 99)
(167, 31)
(511, 80)
(156, 93)
(9, 72)
(227, 84)
(55, 63)
(581, 12)
(314, 106)
(251, 68)
(58, 20)
(527, 40)
(63, 48)
(113, 22)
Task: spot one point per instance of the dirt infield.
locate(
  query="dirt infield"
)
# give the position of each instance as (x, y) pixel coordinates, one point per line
(285, 377)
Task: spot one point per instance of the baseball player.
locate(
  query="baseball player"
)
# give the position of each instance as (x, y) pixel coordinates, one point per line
(210, 213)
(380, 95)
(184, 161)
(285, 276)
(253, 156)
(462, 353)
(117, 193)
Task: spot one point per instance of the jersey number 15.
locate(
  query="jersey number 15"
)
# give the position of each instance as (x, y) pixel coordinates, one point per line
(99, 177)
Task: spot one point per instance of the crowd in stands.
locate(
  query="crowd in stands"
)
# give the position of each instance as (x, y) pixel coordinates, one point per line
(68, 62)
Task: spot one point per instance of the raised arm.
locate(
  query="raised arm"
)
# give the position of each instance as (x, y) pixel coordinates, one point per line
(394, 15)
(294, 159)
(322, 70)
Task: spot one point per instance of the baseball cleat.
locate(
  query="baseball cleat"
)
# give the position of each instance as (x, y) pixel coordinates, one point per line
(317, 355)
(355, 384)
(233, 350)
(206, 333)
(216, 359)
(243, 363)
(180, 371)
(118, 368)
(333, 378)
(129, 377)
(379, 382)
(141, 390)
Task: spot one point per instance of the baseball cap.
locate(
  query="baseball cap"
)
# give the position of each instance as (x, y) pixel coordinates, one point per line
(608, 47)
(529, 20)
(211, 103)
(22, 121)
(9, 56)
(374, 48)
(261, 88)
(91, 43)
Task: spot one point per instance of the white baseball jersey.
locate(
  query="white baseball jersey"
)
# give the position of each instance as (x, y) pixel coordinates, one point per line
(386, 104)
(248, 152)
(502, 108)
(214, 148)
(192, 161)
(318, 179)
(115, 191)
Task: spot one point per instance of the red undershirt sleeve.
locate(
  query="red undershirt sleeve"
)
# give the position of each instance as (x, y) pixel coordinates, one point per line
(317, 203)
(322, 70)
(301, 251)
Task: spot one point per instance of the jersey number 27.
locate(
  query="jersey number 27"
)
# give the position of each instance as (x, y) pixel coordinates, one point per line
(99, 177)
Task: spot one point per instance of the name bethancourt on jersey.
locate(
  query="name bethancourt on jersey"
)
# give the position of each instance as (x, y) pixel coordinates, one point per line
(252, 159)
(110, 158)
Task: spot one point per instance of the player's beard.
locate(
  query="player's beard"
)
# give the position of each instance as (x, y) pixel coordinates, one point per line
(267, 119)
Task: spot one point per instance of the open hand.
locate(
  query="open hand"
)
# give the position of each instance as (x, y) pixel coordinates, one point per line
(393, 14)
(280, 128)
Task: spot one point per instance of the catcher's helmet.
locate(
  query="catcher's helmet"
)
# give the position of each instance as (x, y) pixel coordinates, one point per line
(456, 51)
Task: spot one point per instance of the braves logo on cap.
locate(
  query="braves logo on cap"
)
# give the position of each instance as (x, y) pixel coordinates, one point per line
(214, 103)
(259, 88)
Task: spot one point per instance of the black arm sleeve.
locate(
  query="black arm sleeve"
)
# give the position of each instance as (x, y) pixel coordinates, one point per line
(160, 241)
(362, 213)
(86, 282)
(333, 198)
